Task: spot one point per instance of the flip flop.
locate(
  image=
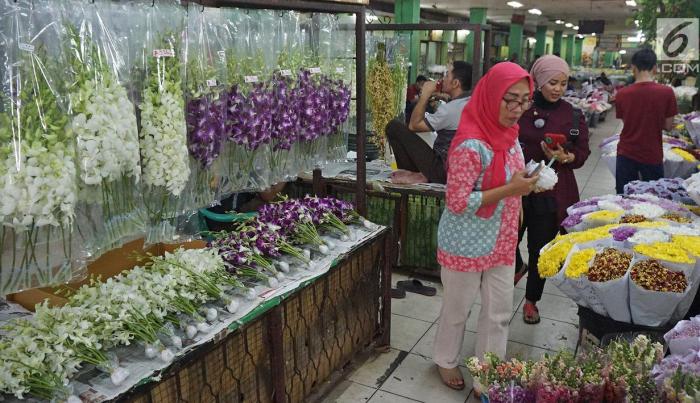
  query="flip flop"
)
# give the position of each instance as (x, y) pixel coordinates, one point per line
(445, 379)
(417, 287)
(398, 293)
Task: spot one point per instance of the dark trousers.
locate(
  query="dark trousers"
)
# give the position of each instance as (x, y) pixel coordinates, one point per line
(542, 226)
(628, 170)
(414, 154)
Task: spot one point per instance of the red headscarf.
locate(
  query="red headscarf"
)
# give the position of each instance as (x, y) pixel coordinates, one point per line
(480, 121)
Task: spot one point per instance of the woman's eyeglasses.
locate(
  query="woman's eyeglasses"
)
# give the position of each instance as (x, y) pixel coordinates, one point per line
(512, 104)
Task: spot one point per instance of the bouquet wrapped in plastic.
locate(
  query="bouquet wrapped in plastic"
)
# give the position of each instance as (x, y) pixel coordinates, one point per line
(38, 174)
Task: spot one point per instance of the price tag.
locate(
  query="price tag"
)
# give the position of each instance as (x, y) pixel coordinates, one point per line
(286, 73)
(251, 79)
(340, 70)
(211, 83)
(315, 70)
(222, 56)
(163, 53)
(26, 47)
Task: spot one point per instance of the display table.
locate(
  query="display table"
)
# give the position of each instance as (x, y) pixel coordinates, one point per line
(288, 346)
(413, 212)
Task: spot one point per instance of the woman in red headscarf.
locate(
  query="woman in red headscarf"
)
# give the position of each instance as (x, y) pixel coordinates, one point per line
(478, 230)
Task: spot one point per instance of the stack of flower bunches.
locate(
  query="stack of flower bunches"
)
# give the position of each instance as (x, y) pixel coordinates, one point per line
(42, 353)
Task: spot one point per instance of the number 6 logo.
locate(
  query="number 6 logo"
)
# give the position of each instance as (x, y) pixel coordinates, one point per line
(677, 38)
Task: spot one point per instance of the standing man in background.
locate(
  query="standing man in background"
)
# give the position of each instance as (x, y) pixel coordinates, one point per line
(646, 108)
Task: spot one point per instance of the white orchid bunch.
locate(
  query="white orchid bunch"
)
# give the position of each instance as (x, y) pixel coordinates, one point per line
(38, 185)
(163, 134)
(41, 354)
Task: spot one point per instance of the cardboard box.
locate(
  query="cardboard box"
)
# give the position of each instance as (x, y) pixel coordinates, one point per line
(108, 265)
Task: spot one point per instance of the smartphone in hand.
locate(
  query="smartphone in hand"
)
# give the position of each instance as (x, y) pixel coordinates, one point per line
(536, 170)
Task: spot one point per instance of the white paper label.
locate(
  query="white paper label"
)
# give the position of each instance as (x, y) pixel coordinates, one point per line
(163, 53)
(286, 73)
(211, 83)
(251, 79)
(26, 47)
(340, 70)
(222, 56)
(315, 70)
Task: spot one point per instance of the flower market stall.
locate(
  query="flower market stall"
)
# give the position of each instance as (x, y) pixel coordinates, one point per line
(119, 121)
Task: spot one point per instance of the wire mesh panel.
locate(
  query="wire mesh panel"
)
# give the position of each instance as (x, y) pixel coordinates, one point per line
(234, 370)
(327, 322)
(420, 249)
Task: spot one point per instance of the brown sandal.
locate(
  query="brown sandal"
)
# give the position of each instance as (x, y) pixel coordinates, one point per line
(446, 374)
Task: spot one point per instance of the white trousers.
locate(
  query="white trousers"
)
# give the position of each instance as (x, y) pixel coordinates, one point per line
(460, 291)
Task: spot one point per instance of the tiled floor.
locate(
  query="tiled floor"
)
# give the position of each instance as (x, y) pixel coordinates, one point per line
(407, 373)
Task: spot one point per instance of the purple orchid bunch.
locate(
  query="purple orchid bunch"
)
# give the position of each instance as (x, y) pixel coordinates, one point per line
(285, 125)
(269, 240)
(249, 121)
(240, 256)
(328, 213)
(295, 220)
(206, 119)
(510, 393)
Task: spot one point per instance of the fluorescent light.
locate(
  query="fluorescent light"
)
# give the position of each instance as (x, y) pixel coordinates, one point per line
(568, 25)
(634, 39)
(534, 11)
(514, 4)
(579, 36)
(622, 52)
(593, 34)
(631, 3)
(575, 27)
(559, 22)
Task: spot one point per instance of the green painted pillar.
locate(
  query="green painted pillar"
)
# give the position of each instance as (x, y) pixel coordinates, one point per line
(556, 45)
(570, 49)
(408, 12)
(609, 59)
(578, 49)
(447, 37)
(541, 37)
(477, 15)
(515, 38)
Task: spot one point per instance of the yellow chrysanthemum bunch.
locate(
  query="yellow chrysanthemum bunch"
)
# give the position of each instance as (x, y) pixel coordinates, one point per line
(689, 243)
(684, 154)
(578, 263)
(667, 251)
(604, 215)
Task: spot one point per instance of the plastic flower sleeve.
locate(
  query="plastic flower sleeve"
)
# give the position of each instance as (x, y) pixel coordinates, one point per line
(103, 120)
(248, 108)
(163, 132)
(37, 153)
(206, 103)
(285, 117)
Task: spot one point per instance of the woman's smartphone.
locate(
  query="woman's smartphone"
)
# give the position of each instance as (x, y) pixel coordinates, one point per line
(535, 171)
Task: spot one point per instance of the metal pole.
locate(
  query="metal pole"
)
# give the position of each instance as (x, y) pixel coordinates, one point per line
(361, 110)
(488, 37)
(275, 334)
(476, 57)
(386, 290)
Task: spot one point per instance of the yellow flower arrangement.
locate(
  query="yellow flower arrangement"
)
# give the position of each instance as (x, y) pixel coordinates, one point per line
(578, 264)
(604, 215)
(667, 251)
(684, 154)
(689, 243)
(651, 224)
(550, 261)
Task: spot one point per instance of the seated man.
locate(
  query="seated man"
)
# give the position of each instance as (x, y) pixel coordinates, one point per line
(417, 162)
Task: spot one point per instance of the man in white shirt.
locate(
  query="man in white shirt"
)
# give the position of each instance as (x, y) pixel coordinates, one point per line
(417, 162)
